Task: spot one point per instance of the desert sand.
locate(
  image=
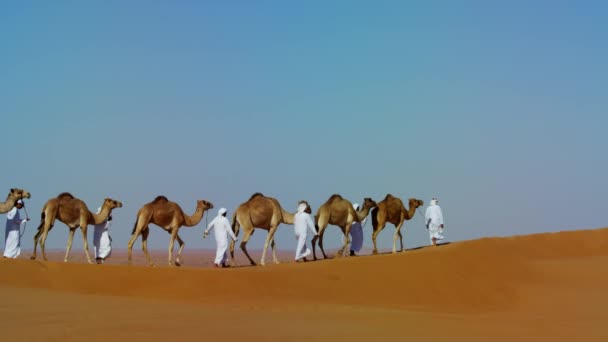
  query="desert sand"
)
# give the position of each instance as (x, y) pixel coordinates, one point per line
(543, 287)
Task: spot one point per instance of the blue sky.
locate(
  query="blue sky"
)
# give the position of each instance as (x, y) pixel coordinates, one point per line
(498, 109)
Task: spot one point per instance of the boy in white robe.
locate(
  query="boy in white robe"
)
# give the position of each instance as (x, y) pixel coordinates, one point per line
(12, 233)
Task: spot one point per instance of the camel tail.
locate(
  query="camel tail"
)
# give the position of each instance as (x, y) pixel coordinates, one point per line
(235, 225)
(135, 225)
(42, 217)
(374, 217)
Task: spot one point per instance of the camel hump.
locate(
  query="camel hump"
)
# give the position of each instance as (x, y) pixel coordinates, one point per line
(257, 194)
(334, 197)
(160, 199)
(65, 195)
(388, 196)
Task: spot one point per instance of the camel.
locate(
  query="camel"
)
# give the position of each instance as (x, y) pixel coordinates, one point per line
(13, 196)
(391, 210)
(170, 217)
(74, 213)
(259, 212)
(340, 212)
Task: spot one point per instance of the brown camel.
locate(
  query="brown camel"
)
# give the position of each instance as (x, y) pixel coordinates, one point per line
(13, 196)
(340, 212)
(259, 212)
(74, 213)
(170, 217)
(391, 210)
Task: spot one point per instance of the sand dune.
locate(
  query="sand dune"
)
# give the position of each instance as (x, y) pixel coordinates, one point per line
(537, 287)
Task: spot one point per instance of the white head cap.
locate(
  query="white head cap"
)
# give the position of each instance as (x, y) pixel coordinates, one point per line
(98, 210)
(434, 201)
(356, 206)
(19, 202)
(222, 212)
(301, 207)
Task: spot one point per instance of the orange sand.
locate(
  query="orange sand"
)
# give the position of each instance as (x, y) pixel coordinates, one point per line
(545, 287)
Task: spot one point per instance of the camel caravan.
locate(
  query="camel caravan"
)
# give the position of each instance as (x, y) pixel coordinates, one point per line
(258, 212)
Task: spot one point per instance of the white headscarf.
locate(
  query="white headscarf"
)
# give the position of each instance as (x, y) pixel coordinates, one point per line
(302, 207)
(19, 202)
(356, 206)
(434, 201)
(221, 212)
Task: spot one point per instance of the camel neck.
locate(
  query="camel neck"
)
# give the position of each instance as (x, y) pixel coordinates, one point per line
(191, 221)
(102, 216)
(8, 204)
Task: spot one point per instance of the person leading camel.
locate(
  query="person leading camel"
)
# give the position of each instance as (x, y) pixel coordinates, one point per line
(302, 222)
(356, 234)
(12, 237)
(102, 241)
(222, 230)
(434, 221)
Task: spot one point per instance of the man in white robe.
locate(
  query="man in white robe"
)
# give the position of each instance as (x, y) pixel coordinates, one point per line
(102, 241)
(302, 222)
(434, 221)
(356, 234)
(222, 230)
(12, 233)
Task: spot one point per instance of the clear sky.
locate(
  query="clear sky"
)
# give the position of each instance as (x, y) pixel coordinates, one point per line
(497, 108)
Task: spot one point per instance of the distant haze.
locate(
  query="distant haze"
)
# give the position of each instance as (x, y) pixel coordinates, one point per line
(497, 109)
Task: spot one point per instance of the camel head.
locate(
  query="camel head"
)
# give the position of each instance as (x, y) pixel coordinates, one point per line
(415, 203)
(19, 194)
(111, 204)
(368, 203)
(205, 205)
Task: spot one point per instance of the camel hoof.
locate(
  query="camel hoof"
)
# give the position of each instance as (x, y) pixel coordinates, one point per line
(152, 265)
(178, 263)
(375, 252)
(33, 257)
(276, 262)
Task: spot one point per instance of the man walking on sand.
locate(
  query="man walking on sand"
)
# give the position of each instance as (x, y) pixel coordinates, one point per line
(222, 230)
(434, 221)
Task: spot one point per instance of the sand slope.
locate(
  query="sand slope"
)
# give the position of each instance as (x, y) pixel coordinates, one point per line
(537, 287)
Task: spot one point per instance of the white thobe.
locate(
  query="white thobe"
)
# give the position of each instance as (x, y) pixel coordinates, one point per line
(101, 240)
(356, 234)
(434, 219)
(302, 222)
(222, 230)
(12, 243)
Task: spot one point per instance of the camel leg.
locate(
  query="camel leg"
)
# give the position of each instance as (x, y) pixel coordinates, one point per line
(178, 260)
(231, 249)
(144, 245)
(246, 237)
(321, 243)
(130, 245)
(375, 235)
(346, 232)
(171, 243)
(45, 227)
(37, 237)
(269, 237)
(322, 224)
(398, 235)
(85, 242)
(43, 244)
(69, 246)
(274, 254)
